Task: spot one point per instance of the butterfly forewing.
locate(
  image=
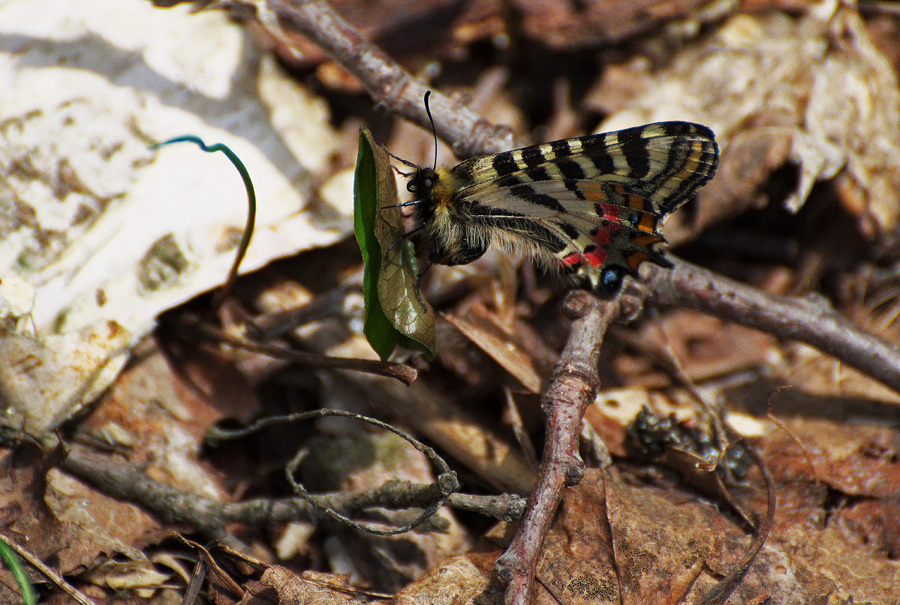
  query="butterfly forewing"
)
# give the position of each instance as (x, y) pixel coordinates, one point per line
(664, 162)
(589, 205)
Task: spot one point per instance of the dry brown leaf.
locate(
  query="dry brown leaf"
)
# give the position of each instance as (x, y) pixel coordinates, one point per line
(706, 347)
(671, 549)
(46, 381)
(24, 515)
(564, 25)
(287, 587)
(97, 527)
(150, 415)
(415, 32)
(821, 375)
(660, 550)
(814, 525)
(128, 575)
(455, 581)
(485, 331)
(158, 420)
(831, 109)
(862, 462)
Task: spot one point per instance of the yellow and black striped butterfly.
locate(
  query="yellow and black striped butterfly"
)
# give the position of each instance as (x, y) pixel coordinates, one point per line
(589, 206)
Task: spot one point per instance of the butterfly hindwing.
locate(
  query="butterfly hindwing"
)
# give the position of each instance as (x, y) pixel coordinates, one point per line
(599, 231)
(588, 205)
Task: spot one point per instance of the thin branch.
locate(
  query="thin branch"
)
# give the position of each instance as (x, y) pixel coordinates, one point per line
(810, 320)
(127, 481)
(388, 84)
(398, 371)
(573, 388)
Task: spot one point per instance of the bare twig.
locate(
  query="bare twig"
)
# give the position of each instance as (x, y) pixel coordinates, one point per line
(445, 484)
(398, 371)
(128, 482)
(389, 84)
(211, 568)
(574, 386)
(876, 7)
(809, 320)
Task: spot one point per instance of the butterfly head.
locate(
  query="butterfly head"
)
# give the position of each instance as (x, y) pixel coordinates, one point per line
(422, 183)
(455, 237)
(433, 190)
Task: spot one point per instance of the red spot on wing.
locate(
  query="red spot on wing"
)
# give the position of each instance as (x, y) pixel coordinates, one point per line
(594, 256)
(611, 211)
(597, 256)
(573, 260)
(602, 237)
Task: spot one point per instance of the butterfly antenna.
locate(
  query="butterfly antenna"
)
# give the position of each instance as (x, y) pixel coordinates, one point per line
(433, 130)
(403, 204)
(402, 161)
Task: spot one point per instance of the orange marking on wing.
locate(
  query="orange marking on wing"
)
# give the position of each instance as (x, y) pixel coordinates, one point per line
(635, 259)
(647, 223)
(593, 192)
(645, 241)
(635, 201)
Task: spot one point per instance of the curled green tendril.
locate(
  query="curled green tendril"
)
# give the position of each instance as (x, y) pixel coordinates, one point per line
(251, 203)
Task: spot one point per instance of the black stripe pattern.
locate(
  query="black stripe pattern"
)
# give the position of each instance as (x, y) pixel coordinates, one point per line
(590, 205)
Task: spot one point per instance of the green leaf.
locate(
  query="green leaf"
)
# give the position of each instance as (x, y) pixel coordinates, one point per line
(15, 565)
(396, 314)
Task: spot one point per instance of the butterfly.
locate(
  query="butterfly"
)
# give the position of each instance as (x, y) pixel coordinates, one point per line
(589, 206)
